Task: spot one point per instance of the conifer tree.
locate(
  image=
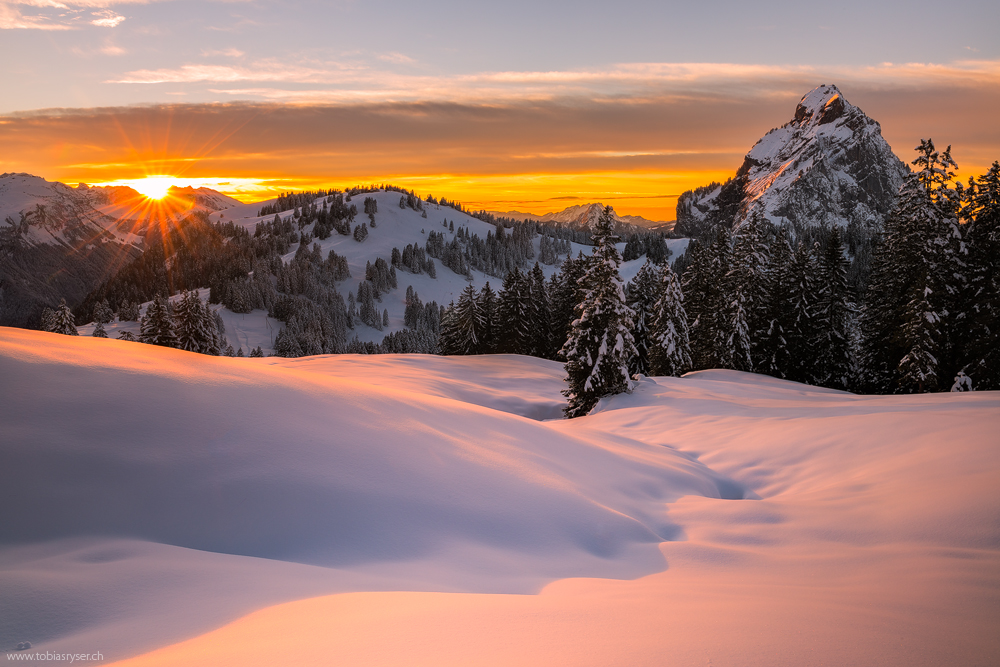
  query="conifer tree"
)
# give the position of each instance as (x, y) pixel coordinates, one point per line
(64, 322)
(48, 320)
(801, 334)
(746, 285)
(919, 369)
(465, 324)
(103, 313)
(704, 286)
(514, 314)
(129, 312)
(979, 340)
(194, 332)
(834, 309)
(565, 294)
(669, 344)
(641, 295)
(918, 275)
(99, 331)
(285, 345)
(540, 313)
(213, 326)
(600, 340)
(488, 307)
(773, 353)
(157, 327)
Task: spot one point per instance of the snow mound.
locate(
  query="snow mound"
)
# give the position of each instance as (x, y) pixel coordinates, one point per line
(405, 469)
(195, 510)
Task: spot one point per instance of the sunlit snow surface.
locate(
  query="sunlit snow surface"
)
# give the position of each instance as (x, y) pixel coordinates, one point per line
(194, 510)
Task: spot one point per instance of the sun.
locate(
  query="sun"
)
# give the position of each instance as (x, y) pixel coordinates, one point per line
(154, 187)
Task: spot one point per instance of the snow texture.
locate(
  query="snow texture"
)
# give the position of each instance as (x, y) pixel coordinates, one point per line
(196, 510)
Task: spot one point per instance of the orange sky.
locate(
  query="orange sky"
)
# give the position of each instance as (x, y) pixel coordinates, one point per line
(636, 153)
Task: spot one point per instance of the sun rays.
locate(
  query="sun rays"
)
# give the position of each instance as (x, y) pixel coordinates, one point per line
(153, 187)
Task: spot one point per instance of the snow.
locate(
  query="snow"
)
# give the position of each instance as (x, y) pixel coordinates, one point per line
(395, 227)
(184, 509)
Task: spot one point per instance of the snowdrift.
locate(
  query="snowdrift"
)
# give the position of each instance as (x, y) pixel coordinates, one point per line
(375, 510)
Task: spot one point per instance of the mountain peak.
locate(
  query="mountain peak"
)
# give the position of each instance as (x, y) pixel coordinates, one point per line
(823, 104)
(828, 165)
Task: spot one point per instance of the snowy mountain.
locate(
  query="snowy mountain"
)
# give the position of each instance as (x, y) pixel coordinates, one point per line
(58, 241)
(829, 165)
(583, 215)
(394, 227)
(412, 509)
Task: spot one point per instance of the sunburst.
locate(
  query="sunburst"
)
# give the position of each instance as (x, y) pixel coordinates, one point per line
(153, 187)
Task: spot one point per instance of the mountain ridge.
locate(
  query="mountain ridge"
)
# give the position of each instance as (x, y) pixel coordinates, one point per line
(828, 165)
(584, 215)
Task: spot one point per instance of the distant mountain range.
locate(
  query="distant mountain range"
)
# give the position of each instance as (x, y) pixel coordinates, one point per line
(57, 241)
(828, 165)
(584, 215)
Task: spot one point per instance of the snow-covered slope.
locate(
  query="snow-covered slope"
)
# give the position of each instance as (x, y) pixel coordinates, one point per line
(62, 242)
(59, 214)
(829, 165)
(275, 511)
(394, 227)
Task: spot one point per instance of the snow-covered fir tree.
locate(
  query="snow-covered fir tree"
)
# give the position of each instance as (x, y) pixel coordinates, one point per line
(195, 326)
(540, 313)
(99, 331)
(746, 284)
(600, 339)
(488, 307)
(801, 336)
(64, 322)
(514, 314)
(669, 343)
(641, 295)
(773, 356)
(463, 327)
(709, 303)
(978, 339)
(103, 313)
(918, 276)
(157, 326)
(834, 318)
(564, 289)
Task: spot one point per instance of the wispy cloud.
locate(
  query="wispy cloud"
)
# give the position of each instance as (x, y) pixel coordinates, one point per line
(107, 18)
(228, 53)
(397, 58)
(58, 15)
(336, 82)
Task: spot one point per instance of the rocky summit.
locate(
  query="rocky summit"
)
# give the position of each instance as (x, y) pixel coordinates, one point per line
(827, 166)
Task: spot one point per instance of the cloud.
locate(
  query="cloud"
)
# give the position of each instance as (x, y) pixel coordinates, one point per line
(12, 18)
(638, 129)
(107, 19)
(264, 71)
(350, 83)
(397, 58)
(229, 53)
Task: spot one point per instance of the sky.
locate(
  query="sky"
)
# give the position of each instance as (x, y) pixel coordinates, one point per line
(529, 106)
